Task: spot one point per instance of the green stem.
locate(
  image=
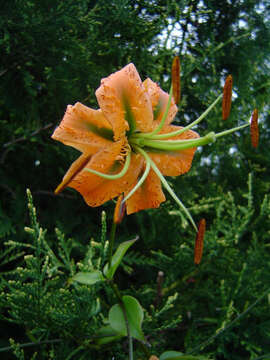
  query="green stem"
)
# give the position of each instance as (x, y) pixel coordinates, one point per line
(122, 305)
(111, 242)
(117, 292)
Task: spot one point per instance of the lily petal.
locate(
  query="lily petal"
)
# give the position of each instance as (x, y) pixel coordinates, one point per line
(85, 129)
(74, 169)
(148, 196)
(174, 163)
(96, 190)
(159, 100)
(125, 103)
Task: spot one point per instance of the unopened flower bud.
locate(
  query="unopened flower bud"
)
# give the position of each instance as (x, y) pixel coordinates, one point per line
(119, 210)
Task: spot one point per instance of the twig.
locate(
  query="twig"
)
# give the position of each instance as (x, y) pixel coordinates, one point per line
(51, 193)
(208, 341)
(23, 138)
(31, 344)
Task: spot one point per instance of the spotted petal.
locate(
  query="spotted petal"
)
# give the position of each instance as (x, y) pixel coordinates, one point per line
(85, 129)
(148, 196)
(96, 190)
(125, 103)
(159, 100)
(174, 163)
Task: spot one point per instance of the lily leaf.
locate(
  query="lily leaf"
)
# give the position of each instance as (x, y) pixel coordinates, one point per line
(176, 355)
(117, 257)
(88, 278)
(106, 335)
(134, 316)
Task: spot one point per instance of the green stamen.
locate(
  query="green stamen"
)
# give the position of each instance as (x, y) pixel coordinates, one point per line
(167, 186)
(181, 131)
(197, 121)
(174, 145)
(226, 132)
(116, 176)
(140, 182)
(164, 117)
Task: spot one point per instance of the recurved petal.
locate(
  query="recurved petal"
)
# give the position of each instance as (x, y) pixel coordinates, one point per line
(125, 103)
(74, 169)
(148, 196)
(96, 190)
(174, 163)
(159, 100)
(85, 129)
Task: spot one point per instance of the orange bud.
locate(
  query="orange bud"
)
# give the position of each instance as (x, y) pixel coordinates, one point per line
(176, 79)
(198, 250)
(254, 128)
(153, 357)
(227, 97)
(119, 210)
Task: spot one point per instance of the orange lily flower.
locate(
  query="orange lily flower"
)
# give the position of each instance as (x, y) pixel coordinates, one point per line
(127, 107)
(129, 144)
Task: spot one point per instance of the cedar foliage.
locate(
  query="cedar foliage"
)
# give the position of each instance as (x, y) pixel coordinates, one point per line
(54, 53)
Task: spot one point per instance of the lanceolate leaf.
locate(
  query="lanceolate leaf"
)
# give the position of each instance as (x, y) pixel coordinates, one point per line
(106, 335)
(117, 257)
(176, 355)
(134, 313)
(88, 278)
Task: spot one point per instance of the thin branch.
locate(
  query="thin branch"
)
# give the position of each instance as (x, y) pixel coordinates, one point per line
(23, 138)
(209, 340)
(31, 344)
(51, 193)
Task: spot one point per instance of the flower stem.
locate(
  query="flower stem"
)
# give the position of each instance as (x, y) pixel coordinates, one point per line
(111, 242)
(122, 305)
(117, 292)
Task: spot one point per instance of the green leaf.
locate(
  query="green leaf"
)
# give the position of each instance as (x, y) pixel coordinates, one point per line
(176, 355)
(117, 257)
(106, 335)
(88, 278)
(134, 316)
(170, 355)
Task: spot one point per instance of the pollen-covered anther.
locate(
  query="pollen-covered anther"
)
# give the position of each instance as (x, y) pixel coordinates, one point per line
(198, 250)
(227, 97)
(123, 153)
(176, 79)
(254, 129)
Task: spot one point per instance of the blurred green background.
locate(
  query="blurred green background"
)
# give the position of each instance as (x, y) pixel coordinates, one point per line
(54, 53)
